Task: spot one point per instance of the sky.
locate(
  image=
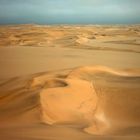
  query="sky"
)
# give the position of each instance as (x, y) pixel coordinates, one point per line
(70, 11)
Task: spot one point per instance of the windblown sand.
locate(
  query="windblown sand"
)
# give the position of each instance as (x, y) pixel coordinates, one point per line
(69, 82)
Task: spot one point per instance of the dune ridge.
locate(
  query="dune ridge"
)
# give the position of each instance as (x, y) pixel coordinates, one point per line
(114, 38)
(76, 109)
(91, 97)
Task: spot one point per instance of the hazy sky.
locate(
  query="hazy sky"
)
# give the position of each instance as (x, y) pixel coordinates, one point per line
(70, 11)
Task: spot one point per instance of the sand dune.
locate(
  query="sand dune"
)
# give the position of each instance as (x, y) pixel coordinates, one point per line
(116, 38)
(90, 105)
(107, 104)
(69, 82)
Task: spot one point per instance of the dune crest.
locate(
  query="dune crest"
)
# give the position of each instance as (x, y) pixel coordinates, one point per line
(98, 99)
(78, 99)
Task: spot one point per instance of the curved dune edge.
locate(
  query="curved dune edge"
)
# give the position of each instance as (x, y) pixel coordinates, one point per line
(75, 99)
(97, 99)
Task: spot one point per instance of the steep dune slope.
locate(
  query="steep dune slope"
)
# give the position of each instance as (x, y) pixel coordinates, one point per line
(100, 100)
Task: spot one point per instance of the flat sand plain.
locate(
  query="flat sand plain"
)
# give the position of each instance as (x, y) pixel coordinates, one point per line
(78, 82)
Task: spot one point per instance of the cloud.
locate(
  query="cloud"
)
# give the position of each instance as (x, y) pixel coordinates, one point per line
(62, 11)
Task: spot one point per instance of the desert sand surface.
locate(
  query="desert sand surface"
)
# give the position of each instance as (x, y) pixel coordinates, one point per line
(62, 82)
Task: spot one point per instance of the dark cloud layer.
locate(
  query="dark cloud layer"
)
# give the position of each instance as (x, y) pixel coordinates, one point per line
(69, 11)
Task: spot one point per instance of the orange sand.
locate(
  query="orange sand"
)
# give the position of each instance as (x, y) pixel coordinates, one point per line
(69, 82)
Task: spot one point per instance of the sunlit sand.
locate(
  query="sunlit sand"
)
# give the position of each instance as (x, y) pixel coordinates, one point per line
(70, 82)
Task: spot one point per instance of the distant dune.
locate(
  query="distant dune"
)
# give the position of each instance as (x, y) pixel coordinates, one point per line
(115, 38)
(69, 82)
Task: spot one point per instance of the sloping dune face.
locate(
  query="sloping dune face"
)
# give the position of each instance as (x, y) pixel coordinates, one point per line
(104, 100)
(101, 100)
